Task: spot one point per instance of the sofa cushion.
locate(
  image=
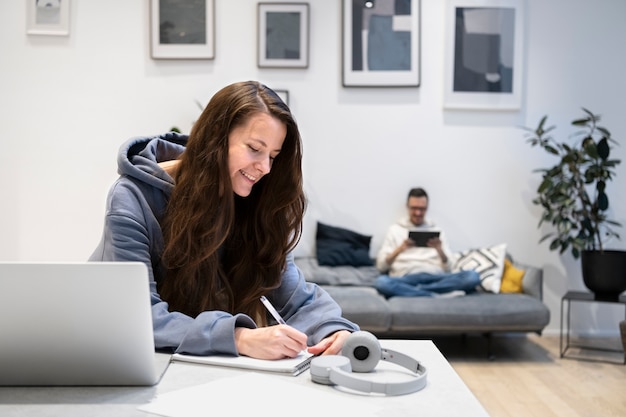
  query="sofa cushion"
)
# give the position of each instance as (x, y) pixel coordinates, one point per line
(336, 275)
(363, 306)
(337, 246)
(476, 312)
(511, 278)
(488, 262)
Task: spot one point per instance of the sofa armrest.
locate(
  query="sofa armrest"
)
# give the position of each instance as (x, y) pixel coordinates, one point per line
(532, 283)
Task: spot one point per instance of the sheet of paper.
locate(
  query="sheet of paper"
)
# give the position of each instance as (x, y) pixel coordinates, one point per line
(258, 395)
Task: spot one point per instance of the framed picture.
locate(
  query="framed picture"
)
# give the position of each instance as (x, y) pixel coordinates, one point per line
(484, 51)
(283, 35)
(284, 95)
(381, 43)
(182, 29)
(48, 17)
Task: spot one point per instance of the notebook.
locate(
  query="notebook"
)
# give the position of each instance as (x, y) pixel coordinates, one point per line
(290, 366)
(76, 324)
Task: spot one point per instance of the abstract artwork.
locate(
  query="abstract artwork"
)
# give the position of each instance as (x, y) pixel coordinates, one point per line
(484, 54)
(283, 35)
(48, 17)
(381, 44)
(182, 29)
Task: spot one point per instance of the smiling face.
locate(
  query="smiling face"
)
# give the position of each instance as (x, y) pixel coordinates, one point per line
(417, 207)
(252, 148)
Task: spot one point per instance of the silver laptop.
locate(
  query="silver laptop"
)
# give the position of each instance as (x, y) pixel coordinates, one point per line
(76, 324)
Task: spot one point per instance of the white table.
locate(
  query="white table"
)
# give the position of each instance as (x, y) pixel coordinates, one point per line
(444, 395)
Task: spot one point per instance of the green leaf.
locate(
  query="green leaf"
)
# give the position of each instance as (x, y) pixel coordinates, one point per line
(546, 237)
(612, 163)
(545, 185)
(591, 115)
(551, 149)
(603, 148)
(555, 244)
(542, 122)
(603, 201)
(591, 149)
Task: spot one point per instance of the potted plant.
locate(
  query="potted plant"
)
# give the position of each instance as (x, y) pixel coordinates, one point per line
(574, 199)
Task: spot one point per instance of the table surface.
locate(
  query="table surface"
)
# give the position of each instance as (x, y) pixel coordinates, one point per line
(587, 296)
(444, 395)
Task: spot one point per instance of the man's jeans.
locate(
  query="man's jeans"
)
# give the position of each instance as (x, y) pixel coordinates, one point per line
(427, 285)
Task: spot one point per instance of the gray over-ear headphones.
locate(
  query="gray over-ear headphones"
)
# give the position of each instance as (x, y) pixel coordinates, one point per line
(361, 353)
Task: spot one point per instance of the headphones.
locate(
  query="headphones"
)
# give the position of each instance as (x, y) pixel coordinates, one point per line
(360, 353)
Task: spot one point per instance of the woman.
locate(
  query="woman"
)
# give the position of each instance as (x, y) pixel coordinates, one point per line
(215, 217)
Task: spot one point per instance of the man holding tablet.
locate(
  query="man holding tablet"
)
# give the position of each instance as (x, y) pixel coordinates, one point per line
(415, 259)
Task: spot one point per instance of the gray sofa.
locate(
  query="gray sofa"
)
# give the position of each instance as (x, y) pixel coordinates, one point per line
(415, 317)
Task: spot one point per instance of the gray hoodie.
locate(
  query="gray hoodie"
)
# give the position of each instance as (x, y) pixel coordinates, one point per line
(132, 232)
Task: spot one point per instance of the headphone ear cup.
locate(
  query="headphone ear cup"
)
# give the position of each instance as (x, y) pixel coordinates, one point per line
(363, 350)
(323, 366)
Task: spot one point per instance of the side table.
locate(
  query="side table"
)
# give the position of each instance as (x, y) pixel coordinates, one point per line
(581, 296)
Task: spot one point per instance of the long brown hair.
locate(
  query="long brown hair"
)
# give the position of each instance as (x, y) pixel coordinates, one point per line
(222, 251)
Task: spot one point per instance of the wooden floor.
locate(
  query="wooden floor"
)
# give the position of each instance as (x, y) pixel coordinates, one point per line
(527, 377)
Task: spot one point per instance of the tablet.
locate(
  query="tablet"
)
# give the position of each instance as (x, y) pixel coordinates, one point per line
(421, 238)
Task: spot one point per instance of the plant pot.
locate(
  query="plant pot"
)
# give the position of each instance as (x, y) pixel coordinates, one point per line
(604, 273)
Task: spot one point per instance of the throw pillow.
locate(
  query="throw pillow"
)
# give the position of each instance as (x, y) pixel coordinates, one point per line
(338, 246)
(511, 278)
(488, 262)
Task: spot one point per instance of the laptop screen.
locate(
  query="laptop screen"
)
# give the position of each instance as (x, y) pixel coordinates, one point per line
(84, 323)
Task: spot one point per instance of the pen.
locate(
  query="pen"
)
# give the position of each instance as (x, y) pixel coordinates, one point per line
(272, 310)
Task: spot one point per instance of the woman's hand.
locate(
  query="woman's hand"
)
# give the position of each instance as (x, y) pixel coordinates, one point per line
(273, 342)
(330, 345)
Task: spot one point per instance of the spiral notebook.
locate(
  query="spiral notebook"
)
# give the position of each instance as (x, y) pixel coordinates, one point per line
(290, 366)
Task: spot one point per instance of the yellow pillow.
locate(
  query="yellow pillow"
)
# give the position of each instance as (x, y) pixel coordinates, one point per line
(511, 278)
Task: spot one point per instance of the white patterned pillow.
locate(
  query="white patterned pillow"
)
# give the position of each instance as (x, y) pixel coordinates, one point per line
(488, 262)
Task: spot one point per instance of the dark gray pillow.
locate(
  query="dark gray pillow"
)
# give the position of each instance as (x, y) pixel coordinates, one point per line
(338, 246)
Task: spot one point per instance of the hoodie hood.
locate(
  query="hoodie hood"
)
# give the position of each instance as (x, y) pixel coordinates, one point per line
(139, 158)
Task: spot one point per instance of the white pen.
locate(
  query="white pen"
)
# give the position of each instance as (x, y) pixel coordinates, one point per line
(272, 310)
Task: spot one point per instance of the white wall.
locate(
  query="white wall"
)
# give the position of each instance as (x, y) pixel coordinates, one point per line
(69, 102)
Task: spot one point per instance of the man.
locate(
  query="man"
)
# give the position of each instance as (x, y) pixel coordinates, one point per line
(410, 270)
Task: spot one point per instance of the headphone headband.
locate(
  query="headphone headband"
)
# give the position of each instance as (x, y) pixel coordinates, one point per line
(402, 360)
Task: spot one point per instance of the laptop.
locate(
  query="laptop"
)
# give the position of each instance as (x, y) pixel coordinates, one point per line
(76, 324)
